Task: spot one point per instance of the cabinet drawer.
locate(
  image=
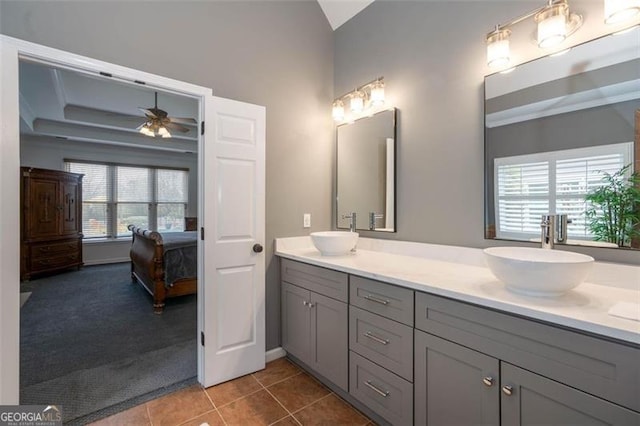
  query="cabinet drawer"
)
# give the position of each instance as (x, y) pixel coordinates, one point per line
(323, 281)
(385, 342)
(600, 367)
(387, 300)
(42, 250)
(54, 262)
(386, 394)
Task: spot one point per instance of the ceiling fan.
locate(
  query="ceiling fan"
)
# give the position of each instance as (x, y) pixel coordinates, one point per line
(159, 123)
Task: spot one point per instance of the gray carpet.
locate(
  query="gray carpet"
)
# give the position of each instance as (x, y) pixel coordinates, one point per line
(90, 341)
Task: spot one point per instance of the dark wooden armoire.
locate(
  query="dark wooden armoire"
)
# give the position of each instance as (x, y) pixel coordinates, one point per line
(51, 221)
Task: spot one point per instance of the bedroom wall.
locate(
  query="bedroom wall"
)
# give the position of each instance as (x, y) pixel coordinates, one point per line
(50, 153)
(433, 57)
(272, 53)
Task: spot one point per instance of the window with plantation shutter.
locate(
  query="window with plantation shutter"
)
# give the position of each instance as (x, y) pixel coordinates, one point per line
(529, 186)
(115, 196)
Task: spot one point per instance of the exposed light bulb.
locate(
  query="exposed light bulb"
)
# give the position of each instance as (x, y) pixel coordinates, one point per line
(338, 110)
(616, 11)
(377, 93)
(498, 53)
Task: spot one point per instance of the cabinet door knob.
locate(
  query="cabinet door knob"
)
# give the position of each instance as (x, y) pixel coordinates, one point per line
(488, 381)
(507, 390)
(311, 305)
(305, 303)
(257, 248)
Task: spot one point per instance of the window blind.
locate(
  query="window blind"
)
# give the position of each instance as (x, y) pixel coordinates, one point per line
(529, 186)
(96, 194)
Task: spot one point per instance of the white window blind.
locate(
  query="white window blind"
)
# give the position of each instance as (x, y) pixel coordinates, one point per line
(96, 195)
(529, 186)
(115, 196)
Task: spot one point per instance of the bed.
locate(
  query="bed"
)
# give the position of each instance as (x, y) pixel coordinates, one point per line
(165, 264)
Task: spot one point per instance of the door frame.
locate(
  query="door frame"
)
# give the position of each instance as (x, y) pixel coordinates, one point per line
(12, 50)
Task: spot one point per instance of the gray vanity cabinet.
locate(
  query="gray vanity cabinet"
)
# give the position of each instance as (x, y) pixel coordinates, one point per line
(454, 385)
(530, 399)
(314, 326)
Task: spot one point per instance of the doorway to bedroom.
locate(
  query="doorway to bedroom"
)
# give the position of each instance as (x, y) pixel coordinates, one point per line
(116, 326)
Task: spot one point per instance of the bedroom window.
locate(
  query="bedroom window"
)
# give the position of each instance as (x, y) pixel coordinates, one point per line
(115, 196)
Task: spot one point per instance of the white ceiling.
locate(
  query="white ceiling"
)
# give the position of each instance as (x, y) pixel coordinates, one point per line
(95, 109)
(340, 11)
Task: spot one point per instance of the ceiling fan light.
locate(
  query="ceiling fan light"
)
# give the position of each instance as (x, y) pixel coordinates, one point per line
(146, 131)
(616, 11)
(552, 24)
(162, 131)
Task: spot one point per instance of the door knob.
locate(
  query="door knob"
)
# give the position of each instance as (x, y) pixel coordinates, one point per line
(257, 248)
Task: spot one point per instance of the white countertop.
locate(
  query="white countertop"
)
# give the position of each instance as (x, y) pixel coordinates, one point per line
(459, 273)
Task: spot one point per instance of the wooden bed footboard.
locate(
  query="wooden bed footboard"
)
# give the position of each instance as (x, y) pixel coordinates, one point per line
(147, 268)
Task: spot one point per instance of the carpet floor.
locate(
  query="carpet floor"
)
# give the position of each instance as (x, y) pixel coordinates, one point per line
(89, 340)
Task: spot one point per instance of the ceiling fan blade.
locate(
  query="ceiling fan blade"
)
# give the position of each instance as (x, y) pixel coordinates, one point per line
(183, 120)
(141, 126)
(176, 126)
(147, 112)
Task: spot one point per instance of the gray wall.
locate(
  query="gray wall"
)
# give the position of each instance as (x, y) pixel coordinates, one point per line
(433, 58)
(277, 54)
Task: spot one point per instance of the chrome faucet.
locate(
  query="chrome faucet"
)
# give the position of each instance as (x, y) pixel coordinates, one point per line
(554, 230)
(562, 220)
(352, 221)
(548, 226)
(372, 220)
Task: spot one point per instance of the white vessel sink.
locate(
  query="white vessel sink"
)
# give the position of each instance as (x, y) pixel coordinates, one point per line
(536, 271)
(334, 243)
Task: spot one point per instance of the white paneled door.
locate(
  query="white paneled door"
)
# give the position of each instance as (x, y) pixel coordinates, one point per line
(233, 212)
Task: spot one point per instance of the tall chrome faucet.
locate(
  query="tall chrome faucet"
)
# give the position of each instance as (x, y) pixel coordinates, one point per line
(548, 226)
(372, 220)
(554, 230)
(352, 221)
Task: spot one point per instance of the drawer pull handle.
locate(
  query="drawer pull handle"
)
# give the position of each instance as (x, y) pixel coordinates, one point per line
(376, 338)
(376, 389)
(45, 249)
(507, 390)
(373, 298)
(45, 262)
(488, 381)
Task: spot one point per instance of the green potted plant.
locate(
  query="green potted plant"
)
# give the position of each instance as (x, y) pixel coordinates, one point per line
(613, 209)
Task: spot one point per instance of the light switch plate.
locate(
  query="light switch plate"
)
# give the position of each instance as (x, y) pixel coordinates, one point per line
(306, 221)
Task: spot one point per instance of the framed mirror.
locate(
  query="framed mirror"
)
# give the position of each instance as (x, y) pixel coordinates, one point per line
(557, 130)
(366, 178)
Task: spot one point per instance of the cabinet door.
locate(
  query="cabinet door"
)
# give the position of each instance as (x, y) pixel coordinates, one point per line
(330, 339)
(296, 321)
(450, 384)
(536, 400)
(43, 210)
(71, 208)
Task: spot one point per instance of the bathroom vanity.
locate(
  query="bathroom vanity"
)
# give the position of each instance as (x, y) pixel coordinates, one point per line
(424, 334)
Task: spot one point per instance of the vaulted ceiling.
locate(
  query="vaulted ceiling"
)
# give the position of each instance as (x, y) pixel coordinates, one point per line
(94, 109)
(340, 11)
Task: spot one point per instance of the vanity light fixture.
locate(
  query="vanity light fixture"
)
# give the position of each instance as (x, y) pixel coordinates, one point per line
(555, 23)
(361, 98)
(616, 11)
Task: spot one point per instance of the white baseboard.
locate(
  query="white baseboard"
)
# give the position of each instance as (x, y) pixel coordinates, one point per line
(274, 354)
(107, 261)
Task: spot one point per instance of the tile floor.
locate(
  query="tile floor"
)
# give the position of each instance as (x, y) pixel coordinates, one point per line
(281, 394)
